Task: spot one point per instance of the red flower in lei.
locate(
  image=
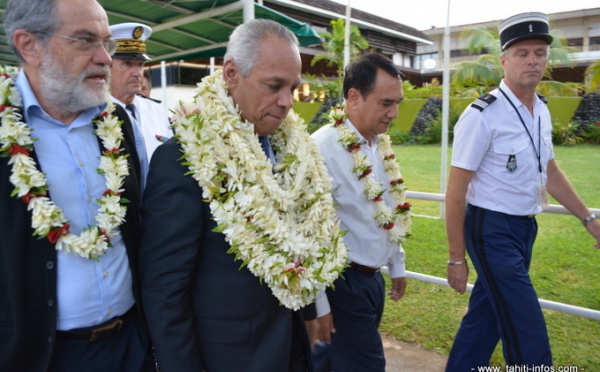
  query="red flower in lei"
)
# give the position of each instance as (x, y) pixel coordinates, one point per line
(16, 149)
(56, 233)
(403, 208)
(31, 188)
(395, 220)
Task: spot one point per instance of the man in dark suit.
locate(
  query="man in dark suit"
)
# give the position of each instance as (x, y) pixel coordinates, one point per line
(69, 243)
(232, 252)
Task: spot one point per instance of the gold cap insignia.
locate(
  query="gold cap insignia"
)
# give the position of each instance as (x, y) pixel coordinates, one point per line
(138, 32)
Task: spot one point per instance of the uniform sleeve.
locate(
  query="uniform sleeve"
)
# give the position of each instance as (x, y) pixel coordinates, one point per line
(472, 140)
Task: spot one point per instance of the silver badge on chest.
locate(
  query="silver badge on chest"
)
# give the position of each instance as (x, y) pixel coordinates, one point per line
(511, 165)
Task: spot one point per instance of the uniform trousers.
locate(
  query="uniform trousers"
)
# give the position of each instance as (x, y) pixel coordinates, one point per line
(356, 302)
(128, 350)
(503, 304)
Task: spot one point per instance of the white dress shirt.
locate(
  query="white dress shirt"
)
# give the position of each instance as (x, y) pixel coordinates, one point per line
(368, 244)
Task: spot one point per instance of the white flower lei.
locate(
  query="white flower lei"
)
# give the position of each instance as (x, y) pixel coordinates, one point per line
(282, 226)
(396, 222)
(48, 220)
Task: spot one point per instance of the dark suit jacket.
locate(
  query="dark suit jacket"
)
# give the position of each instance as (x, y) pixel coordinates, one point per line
(28, 270)
(203, 311)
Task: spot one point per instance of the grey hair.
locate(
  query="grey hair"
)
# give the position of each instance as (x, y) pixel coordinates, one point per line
(36, 16)
(245, 39)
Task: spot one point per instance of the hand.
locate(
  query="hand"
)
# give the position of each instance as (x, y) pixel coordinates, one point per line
(594, 228)
(320, 329)
(458, 276)
(398, 288)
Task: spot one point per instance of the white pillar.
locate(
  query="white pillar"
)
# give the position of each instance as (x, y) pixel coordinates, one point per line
(445, 110)
(248, 10)
(347, 35)
(163, 85)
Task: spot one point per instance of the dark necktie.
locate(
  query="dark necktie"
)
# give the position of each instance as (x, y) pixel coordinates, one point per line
(131, 109)
(266, 146)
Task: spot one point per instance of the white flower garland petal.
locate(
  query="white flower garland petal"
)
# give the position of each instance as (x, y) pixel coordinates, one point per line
(397, 221)
(281, 225)
(48, 220)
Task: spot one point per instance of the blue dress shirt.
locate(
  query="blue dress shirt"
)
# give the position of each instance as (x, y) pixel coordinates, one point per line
(89, 292)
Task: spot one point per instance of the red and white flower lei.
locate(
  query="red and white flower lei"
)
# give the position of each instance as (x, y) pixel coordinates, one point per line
(48, 220)
(397, 221)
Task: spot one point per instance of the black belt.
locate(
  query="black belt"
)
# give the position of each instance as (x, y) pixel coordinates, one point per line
(362, 268)
(98, 332)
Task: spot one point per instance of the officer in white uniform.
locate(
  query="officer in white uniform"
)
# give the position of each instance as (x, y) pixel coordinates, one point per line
(126, 83)
(502, 169)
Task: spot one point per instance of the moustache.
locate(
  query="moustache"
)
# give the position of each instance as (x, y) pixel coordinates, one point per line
(99, 71)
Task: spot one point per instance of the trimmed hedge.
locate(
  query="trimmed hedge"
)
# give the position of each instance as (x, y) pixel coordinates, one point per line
(562, 110)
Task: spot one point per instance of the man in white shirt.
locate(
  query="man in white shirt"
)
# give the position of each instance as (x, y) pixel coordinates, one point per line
(126, 83)
(369, 194)
(502, 169)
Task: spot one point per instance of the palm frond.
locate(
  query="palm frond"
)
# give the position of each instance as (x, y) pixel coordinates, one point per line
(592, 77)
(552, 88)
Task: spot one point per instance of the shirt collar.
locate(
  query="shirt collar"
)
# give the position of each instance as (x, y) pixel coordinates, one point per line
(360, 136)
(517, 102)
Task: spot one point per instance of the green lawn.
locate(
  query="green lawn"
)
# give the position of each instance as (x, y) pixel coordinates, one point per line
(564, 268)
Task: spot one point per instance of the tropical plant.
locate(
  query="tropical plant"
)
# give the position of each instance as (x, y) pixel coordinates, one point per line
(433, 89)
(323, 87)
(486, 71)
(592, 132)
(333, 44)
(565, 134)
(552, 88)
(592, 77)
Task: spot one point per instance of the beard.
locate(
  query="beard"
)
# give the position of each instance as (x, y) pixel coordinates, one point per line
(71, 93)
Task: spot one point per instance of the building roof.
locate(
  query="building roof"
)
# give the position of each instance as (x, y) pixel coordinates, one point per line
(571, 14)
(183, 30)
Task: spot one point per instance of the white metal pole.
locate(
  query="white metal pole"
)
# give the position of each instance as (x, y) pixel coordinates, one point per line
(163, 84)
(248, 10)
(347, 35)
(445, 110)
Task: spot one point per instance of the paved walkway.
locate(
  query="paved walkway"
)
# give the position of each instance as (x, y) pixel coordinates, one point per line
(405, 357)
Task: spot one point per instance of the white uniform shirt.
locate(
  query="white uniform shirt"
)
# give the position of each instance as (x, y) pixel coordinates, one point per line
(154, 121)
(485, 140)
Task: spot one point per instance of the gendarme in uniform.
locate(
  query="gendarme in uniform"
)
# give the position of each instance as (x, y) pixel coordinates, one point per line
(503, 142)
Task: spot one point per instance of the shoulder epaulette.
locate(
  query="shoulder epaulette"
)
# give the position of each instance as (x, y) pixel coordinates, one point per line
(151, 99)
(542, 98)
(484, 101)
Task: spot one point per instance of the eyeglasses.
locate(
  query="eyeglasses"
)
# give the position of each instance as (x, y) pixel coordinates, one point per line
(90, 44)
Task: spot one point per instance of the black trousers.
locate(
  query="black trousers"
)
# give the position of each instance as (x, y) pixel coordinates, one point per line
(128, 350)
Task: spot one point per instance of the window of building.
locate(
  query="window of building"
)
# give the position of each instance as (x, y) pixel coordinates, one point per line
(426, 61)
(594, 43)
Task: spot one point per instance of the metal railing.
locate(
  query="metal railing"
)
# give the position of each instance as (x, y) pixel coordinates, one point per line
(550, 305)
